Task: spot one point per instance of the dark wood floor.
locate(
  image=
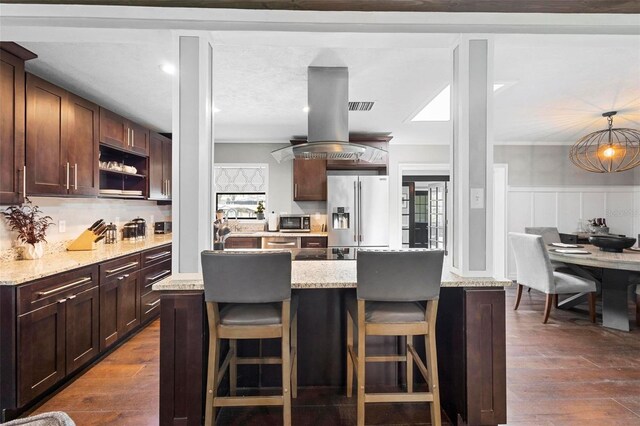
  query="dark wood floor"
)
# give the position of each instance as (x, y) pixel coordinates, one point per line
(567, 372)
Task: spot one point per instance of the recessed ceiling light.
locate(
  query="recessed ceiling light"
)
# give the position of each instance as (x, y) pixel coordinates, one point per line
(305, 109)
(498, 86)
(216, 110)
(439, 109)
(168, 68)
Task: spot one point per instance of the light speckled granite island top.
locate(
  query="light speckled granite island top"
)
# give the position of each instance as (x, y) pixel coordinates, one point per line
(324, 274)
(15, 272)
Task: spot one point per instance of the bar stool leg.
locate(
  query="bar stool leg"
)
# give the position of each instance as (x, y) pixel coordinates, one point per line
(432, 362)
(212, 367)
(233, 367)
(409, 364)
(349, 360)
(294, 346)
(286, 365)
(361, 362)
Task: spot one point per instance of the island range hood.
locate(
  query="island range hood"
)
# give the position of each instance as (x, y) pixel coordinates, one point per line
(328, 121)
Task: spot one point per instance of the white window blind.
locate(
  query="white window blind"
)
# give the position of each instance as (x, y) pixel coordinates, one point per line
(241, 177)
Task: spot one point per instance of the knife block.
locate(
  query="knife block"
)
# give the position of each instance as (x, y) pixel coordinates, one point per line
(84, 242)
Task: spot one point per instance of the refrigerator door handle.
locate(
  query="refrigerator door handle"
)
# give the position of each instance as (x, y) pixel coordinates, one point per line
(359, 210)
(355, 205)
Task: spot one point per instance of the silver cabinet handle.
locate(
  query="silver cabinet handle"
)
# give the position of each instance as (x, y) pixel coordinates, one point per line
(154, 303)
(133, 138)
(71, 297)
(169, 187)
(295, 190)
(122, 268)
(64, 287)
(24, 181)
(67, 176)
(163, 186)
(128, 136)
(276, 243)
(159, 275)
(75, 178)
(359, 210)
(158, 255)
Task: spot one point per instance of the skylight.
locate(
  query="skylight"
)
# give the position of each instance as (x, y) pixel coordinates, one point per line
(439, 109)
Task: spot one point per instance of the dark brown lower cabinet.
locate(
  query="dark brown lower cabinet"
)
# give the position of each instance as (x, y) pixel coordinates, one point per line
(119, 299)
(52, 328)
(471, 346)
(57, 329)
(41, 337)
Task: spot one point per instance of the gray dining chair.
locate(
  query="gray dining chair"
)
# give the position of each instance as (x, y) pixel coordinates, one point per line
(534, 270)
(397, 295)
(248, 296)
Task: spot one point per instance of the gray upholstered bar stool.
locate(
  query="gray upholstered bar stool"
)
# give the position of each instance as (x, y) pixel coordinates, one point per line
(393, 287)
(534, 270)
(255, 292)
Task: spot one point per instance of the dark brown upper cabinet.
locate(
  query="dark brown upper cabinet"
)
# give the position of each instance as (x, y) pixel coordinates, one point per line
(82, 146)
(12, 119)
(309, 180)
(159, 167)
(61, 141)
(118, 132)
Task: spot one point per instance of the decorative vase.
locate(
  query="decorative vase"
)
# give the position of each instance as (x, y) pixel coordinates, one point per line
(260, 216)
(33, 251)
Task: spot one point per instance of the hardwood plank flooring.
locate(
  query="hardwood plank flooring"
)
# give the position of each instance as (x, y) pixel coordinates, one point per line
(567, 372)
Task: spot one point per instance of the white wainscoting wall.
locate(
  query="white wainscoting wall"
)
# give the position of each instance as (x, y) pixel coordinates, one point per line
(563, 207)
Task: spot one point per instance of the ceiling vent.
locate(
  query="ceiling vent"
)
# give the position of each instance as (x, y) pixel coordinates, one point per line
(360, 106)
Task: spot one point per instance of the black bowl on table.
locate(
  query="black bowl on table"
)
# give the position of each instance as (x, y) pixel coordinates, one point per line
(612, 243)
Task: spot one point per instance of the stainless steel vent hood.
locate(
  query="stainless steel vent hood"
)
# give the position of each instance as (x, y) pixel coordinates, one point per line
(328, 121)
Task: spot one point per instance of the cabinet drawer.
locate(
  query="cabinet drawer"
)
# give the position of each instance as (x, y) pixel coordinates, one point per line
(49, 290)
(119, 267)
(150, 305)
(313, 242)
(153, 274)
(156, 255)
(242, 242)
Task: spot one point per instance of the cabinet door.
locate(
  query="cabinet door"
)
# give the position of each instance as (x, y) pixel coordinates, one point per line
(157, 185)
(313, 242)
(309, 180)
(167, 166)
(114, 130)
(109, 313)
(128, 303)
(82, 327)
(46, 154)
(11, 129)
(82, 146)
(139, 140)
(41, 350)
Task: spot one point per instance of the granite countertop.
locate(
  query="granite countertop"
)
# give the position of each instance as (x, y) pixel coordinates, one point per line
(627, 260)
(16, 272)
(325, 274)
(260, 234)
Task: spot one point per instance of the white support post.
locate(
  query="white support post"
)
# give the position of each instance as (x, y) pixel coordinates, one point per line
(192, 182)
(472, 156)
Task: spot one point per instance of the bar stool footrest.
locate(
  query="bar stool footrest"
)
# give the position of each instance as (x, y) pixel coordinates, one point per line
(398, 397)
(244, 401)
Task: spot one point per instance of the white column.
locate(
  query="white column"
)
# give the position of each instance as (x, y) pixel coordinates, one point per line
(472, 156)
(192, 183)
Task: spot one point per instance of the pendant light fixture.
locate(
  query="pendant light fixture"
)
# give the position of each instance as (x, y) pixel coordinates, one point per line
(607, 151)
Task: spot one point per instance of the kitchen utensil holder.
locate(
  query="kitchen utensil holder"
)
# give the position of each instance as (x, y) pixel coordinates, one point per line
(84, 242)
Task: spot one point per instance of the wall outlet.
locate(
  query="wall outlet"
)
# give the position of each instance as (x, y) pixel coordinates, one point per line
(62, 226)
(477, 198)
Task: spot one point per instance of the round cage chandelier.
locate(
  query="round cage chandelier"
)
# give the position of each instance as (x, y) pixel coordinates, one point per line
(607, 151)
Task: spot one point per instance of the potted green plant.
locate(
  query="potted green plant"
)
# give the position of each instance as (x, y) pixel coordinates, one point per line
(260, 211)
(31, 226)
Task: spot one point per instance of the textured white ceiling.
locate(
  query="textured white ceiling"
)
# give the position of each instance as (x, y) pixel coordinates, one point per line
(557, 86)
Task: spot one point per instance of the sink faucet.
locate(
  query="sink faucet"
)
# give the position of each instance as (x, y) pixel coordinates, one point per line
(235, 227)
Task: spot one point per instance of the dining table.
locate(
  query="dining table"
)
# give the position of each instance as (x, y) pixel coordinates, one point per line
(619, 271)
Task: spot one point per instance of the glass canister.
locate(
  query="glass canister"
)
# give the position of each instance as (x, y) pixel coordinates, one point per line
(111, 234)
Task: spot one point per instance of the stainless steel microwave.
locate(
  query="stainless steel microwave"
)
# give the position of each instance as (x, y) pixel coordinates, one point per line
(295, 223)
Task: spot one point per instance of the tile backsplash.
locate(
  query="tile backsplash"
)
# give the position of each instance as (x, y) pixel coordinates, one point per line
(79, 213)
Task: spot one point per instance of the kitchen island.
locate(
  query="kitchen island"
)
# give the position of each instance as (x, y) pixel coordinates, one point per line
(470, 336)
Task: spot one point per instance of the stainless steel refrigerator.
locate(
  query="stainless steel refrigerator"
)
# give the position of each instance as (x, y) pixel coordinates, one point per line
(358, 211)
